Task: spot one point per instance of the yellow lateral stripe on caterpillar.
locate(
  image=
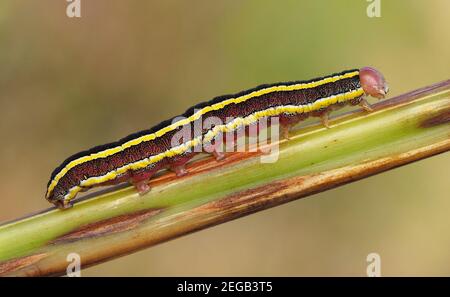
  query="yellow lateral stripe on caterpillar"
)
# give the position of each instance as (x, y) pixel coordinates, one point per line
(195, 116)
(233, 125)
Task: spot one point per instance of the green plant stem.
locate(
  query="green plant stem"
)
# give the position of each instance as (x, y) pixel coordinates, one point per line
(401, 130)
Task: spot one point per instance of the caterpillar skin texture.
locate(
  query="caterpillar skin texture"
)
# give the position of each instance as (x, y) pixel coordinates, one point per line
(137, 157)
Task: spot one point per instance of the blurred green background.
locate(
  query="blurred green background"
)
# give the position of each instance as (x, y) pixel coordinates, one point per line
(69, 84)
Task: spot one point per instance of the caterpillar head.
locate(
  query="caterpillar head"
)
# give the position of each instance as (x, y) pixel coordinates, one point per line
(373, 82)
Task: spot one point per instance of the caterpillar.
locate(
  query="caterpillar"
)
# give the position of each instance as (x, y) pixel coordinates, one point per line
(137, 157)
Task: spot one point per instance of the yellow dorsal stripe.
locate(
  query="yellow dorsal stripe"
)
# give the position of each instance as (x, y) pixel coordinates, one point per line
(233, 125)
(195, 116)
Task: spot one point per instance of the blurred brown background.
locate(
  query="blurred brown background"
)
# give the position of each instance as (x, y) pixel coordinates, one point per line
(69, 84)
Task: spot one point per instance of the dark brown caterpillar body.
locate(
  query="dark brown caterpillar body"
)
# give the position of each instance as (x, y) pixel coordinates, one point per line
(137, 157)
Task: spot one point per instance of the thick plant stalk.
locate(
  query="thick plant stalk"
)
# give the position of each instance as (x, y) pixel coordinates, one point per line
(401, 130)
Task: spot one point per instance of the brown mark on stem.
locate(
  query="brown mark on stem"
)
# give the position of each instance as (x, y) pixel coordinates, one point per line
(108, 226)
(441, 117)
(16, 264)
